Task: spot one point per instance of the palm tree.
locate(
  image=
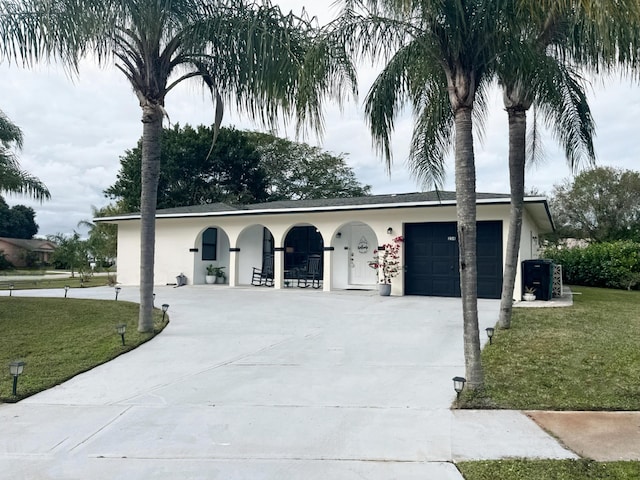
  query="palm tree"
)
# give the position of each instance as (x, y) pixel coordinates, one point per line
(557, 33)
(439, 58)
(12, 178)
(243, 52)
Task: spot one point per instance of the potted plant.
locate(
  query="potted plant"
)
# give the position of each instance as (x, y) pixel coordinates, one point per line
(210, 277)
(218, 272)
(387, 264)
(529, 294)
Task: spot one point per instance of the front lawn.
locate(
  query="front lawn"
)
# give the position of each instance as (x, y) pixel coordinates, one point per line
(59, 338)
(549, 470)
(584, 357)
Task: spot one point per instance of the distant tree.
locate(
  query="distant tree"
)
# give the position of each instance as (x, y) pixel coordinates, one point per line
(102, 244)
(297, 171)
(12, 178)
(71, 252)
(601, 205)
(242, 167)
(17, 221)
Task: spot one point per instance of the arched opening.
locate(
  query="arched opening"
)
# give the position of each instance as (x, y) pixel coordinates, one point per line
(212, 247)
(354, 244)
(254, 243)
(302, 244)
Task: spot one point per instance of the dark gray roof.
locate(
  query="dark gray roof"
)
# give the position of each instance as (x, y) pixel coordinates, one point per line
(284, 205)
(330, 202)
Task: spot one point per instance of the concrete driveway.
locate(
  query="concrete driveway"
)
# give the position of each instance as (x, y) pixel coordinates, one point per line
(260, 383)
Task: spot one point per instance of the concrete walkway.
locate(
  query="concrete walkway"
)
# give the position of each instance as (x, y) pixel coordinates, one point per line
(260, 383)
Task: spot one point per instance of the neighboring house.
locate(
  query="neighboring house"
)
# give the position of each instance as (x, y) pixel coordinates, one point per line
(18, 250)
(344, 231)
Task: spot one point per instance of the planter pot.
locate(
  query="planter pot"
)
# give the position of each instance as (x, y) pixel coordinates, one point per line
(210, 279)
(384, 289)
(529, 297)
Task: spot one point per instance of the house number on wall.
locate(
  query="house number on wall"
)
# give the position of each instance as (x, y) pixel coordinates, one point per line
(451, 239)
(363, 245)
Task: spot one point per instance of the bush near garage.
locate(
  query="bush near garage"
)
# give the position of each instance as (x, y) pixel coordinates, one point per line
(607, 264)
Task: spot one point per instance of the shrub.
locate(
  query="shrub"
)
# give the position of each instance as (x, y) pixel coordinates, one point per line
(4, 263)
(610, 265)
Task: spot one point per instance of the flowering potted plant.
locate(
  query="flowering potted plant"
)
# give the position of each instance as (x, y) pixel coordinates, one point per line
(387, 264)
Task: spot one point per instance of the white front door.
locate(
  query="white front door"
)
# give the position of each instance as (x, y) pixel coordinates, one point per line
(361, 247)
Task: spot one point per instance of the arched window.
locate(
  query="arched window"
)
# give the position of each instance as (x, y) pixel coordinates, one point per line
(209, 244)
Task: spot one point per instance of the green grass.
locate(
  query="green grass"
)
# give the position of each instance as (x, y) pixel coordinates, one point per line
(549, 470)
(59, 338)
(75, 282)
(584, 357)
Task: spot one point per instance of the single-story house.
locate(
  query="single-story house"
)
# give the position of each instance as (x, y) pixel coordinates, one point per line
(18, 250)
(344, 232)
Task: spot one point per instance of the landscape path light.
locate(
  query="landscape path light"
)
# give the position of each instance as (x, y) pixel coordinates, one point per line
(458, 385)
(66, 290)
(15, 369)
(121, 328)
(490, 332)
(117, 292)
(165, 307)
(11, 285)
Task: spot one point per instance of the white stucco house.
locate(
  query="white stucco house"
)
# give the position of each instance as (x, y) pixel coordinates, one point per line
(344, 232)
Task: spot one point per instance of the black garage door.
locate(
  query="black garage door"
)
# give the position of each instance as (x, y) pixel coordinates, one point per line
(431, 257)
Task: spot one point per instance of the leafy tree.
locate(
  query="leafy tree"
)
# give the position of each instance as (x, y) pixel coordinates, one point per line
(192, 172)
(243, 167)
(297, 171)
(17, 221)
(439, 57)
(102, 244)
(600, 205)
(248, 53)
(71, 252)
(12, 178)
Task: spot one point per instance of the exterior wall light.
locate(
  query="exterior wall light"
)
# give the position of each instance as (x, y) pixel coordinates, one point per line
(15, 369)
(121, 328)
(490, 332)
(389, 231)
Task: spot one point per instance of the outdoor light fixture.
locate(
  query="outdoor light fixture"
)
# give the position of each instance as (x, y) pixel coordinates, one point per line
(458, 385)
(15, 369)
(117, 292)
(165, 307)
(338, 235)
(121, 328)
(153, 303)
(389, 231)
(82, 283)
(490, 332)
(66, 289)
(11, 285)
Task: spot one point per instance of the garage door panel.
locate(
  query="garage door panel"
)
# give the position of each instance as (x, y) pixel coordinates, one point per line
(432, 259)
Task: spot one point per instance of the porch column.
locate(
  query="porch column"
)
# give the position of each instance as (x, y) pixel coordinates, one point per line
(327, 276)
(234, 258)
(278, 267)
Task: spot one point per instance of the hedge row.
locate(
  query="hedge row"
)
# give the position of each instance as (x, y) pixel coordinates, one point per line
(610, 265)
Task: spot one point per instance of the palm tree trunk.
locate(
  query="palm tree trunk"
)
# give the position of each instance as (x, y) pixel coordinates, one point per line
(151, 131)
(466, 209)
(517, 135)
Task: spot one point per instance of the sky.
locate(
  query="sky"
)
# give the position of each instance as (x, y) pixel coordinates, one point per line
(77, 128)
